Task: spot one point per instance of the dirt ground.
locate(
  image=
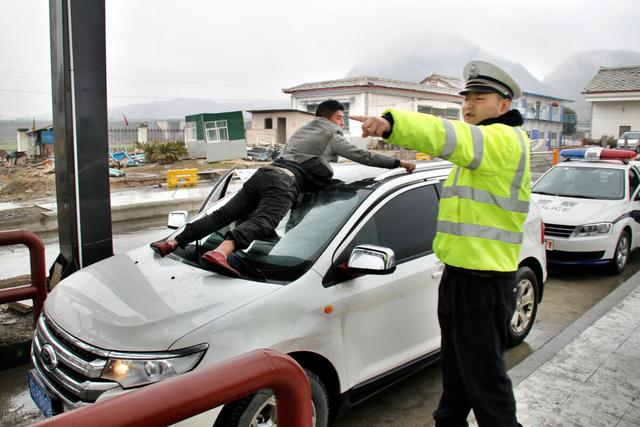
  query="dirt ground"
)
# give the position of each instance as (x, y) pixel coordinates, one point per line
(35, 179)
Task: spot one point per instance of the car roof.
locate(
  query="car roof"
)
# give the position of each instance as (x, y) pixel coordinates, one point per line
(357, 175)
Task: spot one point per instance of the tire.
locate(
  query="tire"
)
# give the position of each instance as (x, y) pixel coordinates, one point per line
(259, 409)
(621, 255)
(526, 307)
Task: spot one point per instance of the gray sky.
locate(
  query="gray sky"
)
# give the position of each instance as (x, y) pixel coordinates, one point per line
(163, 49)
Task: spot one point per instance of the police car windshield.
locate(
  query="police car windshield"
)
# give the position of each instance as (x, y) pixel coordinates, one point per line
(582, 182)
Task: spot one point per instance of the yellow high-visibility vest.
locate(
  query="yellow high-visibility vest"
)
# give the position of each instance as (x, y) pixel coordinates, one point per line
(485, 199)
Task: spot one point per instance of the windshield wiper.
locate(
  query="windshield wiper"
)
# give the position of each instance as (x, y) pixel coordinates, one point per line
(253, 271)
(576, 196)
(545, 193)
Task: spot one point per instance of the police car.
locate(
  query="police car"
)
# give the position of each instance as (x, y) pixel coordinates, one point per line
(590, 206)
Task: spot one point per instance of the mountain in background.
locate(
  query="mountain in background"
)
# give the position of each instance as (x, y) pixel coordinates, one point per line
(573, 75)
(437, 54)
(179, 108)
(448, 55)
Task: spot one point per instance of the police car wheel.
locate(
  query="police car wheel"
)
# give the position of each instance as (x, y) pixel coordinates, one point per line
(526, 307)
(621, 255)
(259, 409)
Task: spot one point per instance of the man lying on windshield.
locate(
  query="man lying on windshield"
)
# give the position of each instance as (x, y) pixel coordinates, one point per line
(303, 166)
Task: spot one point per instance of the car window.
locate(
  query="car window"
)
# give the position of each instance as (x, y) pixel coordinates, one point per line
(406, 224)
(582, 182)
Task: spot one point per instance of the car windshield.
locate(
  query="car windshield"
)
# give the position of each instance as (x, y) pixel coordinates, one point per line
(582, 182)
(297, 241)
(630, 135)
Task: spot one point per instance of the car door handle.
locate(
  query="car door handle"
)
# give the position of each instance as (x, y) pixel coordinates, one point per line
(438, 274)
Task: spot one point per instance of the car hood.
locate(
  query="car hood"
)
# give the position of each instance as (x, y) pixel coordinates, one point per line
(575, 211)
(140, 302)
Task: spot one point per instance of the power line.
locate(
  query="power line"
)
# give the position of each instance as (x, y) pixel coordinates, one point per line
(158, 81)
(153, 97)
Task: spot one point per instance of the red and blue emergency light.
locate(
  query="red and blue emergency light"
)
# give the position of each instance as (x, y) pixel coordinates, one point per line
(597, 153)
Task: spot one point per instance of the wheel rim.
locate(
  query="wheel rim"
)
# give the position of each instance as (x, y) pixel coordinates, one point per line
(266, 414)
(524, 307)
(622, 254)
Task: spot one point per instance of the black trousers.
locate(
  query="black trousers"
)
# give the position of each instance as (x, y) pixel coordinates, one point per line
(264, 200)
(474, 310)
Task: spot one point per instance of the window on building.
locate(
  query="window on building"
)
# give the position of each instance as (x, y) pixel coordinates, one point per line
(190, 132)
(216, 131)
(268, 123)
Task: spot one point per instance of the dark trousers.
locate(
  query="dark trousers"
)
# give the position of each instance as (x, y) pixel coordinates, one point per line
(264, 200)
(474, 310)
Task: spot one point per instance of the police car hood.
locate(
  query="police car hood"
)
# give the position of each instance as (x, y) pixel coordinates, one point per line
(140, 302)
(575, 211)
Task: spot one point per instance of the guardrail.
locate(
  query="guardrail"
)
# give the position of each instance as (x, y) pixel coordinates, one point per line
(37, 290)
(186, 395)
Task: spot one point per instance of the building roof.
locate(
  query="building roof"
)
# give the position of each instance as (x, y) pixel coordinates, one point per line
(371, 82)
(280, 110)
(452, 81)
(615, 79)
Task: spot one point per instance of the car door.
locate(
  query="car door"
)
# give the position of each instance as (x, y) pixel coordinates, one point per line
(634, 208)
(390, 320)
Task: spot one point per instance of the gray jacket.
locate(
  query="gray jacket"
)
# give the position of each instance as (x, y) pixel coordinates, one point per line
(321, 141)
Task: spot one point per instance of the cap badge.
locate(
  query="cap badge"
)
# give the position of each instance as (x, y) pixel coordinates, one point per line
(473, 71)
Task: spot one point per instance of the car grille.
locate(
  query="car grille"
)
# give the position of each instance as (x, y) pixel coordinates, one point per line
(75, 380)
(556, 230)
(574, 256)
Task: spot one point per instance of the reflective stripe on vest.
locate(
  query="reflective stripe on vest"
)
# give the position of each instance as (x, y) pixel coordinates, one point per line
(481, 231)
(451, 142)
(512, 203)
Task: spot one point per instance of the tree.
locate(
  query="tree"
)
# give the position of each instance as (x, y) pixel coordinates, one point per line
(569, 120)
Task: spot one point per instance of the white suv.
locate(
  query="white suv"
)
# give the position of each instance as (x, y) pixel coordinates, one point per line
(347, 286)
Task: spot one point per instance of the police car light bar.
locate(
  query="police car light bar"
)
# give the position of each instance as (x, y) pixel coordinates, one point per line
(597, 153)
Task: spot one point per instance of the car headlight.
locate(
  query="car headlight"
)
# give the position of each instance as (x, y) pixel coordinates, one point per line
(594, 229)
(136, 369)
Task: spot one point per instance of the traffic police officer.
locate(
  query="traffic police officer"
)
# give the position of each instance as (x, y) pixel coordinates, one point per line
(483, 207)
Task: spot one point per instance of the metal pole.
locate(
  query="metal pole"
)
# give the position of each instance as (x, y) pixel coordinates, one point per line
(79, 96)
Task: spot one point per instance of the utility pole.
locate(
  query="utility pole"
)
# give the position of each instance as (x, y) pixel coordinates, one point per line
(79, 96)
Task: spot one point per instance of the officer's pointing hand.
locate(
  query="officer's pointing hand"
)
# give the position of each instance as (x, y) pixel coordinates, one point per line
(372, 126)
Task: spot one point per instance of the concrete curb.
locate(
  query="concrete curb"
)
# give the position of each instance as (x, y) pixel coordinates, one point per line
(47, 222)
(529, 365)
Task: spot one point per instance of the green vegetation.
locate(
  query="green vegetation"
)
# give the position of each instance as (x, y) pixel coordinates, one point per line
(569, 121)
(8, 145)
(165, 153)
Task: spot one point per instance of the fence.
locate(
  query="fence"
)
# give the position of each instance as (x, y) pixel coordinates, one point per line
(128, 136)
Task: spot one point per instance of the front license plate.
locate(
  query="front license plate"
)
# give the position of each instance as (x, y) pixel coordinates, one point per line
(40, 397)
(548, 245)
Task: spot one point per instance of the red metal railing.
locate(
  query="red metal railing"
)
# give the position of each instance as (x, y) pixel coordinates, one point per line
(186, 395)
(37, 290)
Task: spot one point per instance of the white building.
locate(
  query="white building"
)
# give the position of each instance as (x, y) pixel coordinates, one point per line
(269, 127)
(437, 94)
(373, 95)
(614, 94)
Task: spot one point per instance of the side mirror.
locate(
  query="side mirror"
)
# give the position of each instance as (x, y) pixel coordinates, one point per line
(371, 259)
(177, 219)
